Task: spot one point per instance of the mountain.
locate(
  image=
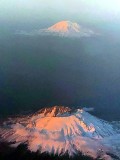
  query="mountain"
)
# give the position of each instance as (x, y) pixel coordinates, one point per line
(65, 26)
(60, 130)
(69, 29)
(62, 29)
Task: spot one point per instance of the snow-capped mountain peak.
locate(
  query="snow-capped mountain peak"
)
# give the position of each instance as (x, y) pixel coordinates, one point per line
(68, 29)
(62, 29)
(65, 26)
(61, 130)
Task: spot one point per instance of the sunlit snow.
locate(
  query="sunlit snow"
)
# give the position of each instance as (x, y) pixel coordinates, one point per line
(60, 130)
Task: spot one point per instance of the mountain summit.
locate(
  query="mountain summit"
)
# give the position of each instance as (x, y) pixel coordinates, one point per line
(63, 29)
(60, 130)
(65, 26)
(53, 111)
(69, 29)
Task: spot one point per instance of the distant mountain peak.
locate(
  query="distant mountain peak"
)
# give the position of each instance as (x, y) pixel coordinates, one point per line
(65, 26)
(63, 29)
(69, 29)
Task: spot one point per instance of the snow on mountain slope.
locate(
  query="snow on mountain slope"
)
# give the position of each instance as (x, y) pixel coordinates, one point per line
(62, 130)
